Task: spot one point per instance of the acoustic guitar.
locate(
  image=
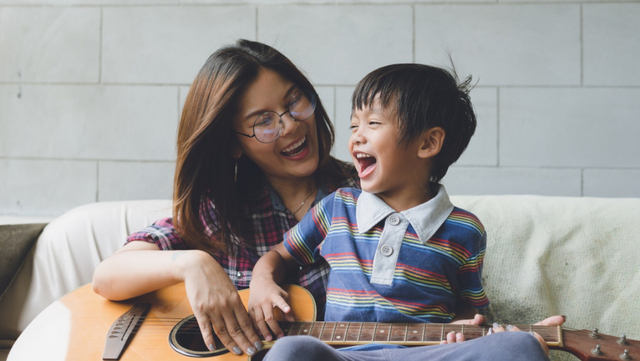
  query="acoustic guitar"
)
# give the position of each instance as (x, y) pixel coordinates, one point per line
(160, 326)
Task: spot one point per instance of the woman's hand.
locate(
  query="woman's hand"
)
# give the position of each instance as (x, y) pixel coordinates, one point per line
(498, 328)
(215, 303)
(264, 298)
(453, 337)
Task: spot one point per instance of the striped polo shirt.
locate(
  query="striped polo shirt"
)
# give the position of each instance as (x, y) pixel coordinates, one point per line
(417, 265)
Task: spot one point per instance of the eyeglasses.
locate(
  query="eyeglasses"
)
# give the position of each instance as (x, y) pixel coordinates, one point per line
(269, 125)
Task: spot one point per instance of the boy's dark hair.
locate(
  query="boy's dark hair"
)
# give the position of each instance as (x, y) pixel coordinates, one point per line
(423, 97)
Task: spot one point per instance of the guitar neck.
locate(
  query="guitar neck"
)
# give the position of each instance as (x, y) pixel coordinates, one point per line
(408, 334)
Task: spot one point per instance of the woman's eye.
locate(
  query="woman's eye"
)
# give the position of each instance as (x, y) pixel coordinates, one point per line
(264, 119)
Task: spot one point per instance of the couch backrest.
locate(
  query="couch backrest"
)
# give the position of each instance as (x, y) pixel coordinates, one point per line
(545, 256)
(578, 257)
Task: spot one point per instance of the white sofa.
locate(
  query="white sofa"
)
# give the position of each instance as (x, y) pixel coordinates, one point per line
(579, 257)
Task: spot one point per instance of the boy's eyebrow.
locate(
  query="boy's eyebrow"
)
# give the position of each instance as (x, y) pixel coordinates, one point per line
(286, 97)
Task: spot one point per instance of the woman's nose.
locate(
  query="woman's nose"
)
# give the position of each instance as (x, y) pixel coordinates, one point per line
(289, 125)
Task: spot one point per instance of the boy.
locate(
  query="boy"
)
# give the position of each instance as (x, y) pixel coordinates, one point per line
(399, 251)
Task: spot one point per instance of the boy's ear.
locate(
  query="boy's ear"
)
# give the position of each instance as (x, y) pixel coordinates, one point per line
(431, 142)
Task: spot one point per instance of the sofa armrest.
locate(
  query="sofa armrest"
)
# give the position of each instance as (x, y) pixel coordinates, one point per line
(15, 241)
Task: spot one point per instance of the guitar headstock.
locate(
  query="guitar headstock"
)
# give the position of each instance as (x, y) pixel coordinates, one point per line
(592, 345)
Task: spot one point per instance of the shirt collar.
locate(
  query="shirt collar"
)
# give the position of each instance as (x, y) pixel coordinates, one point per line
(425, 218)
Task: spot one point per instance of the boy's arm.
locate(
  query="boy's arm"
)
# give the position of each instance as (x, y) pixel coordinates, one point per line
(266, 294)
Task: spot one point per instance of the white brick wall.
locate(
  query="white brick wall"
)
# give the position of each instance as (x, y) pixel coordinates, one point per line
(91, 90)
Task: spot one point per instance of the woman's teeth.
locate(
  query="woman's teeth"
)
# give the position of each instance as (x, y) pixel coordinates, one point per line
(294, 149)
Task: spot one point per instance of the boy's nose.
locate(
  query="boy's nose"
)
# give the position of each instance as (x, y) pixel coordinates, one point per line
(357, 137)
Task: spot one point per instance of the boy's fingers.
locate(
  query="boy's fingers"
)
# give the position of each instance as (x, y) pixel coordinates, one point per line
(479, 320)
(261, 325)
(271, 321)
(459, 337)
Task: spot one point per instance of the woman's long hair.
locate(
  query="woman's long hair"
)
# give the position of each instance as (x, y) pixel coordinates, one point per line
(205, 167)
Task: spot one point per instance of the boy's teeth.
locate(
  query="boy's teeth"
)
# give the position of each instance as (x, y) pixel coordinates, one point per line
(361, 155)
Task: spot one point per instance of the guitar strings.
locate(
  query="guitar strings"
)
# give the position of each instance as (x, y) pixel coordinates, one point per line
(159, 324)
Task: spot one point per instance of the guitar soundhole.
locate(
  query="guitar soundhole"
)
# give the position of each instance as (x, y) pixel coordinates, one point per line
(186, 339)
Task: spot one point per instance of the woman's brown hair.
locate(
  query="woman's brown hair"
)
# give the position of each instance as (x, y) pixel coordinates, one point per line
(205, 167)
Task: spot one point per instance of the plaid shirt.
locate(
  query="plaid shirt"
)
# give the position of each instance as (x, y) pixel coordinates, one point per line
(270, 220)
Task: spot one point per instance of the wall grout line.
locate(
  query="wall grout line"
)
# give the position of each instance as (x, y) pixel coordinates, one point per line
(498, 126)
(581, 45)
(98, 181)
(101, 42)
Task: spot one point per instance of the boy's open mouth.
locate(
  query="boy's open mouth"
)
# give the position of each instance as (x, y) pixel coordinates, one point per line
(295, 149)
(366, 163)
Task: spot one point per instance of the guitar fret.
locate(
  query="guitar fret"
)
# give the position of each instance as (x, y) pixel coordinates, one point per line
(306, 328)
(327, 331)
(341, 332)
(316, 329)
(398, 333)
(367, 332)
(432, 333)
(382, 332)
(353, 331)
(415, 332)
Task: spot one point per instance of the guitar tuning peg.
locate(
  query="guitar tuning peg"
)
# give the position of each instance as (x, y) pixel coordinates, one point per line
(594, 333)
(596, 351)
(623, 340)
(625, 356)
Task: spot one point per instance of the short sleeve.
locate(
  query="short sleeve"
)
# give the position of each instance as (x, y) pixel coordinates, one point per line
(470, 291)
(162, 233)
(304, 241)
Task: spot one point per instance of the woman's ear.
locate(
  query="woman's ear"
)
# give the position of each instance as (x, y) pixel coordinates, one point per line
(431, 142)
(237, 152)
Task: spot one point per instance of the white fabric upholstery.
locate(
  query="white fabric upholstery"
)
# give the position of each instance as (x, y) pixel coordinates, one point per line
(572, 256)
(68, 251)
(545, 256)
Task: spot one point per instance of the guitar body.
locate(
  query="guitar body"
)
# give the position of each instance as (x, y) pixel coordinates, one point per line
(76, 326)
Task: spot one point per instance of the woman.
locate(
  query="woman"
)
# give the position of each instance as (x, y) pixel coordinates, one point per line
(253, 158)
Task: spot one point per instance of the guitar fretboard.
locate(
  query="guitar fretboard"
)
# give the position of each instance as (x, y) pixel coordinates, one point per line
(410, 334)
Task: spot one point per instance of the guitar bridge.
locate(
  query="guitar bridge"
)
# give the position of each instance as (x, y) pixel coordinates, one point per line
(122, 330)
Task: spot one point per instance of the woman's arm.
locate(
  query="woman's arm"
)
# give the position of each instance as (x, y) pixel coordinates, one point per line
(266, 294)
(139, 267)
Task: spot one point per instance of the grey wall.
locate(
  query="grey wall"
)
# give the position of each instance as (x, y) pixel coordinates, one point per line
(91, 90)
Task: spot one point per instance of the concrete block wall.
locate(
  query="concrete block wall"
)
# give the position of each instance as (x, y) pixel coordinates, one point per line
(91, 90)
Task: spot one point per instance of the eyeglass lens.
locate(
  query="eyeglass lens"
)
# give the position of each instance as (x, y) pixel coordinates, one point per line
(268, 125)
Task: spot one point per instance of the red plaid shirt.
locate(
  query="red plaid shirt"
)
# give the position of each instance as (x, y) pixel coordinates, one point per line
(270, 220)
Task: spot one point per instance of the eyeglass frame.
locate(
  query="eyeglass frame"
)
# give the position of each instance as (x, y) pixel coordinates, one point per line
(312, 100)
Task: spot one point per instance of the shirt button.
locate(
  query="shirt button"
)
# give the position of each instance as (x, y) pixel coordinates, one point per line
(394, 220)
(386, 250)
(239, 274)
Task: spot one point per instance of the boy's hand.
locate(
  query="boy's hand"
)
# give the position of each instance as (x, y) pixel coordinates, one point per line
(452, 336)
(264, 297)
